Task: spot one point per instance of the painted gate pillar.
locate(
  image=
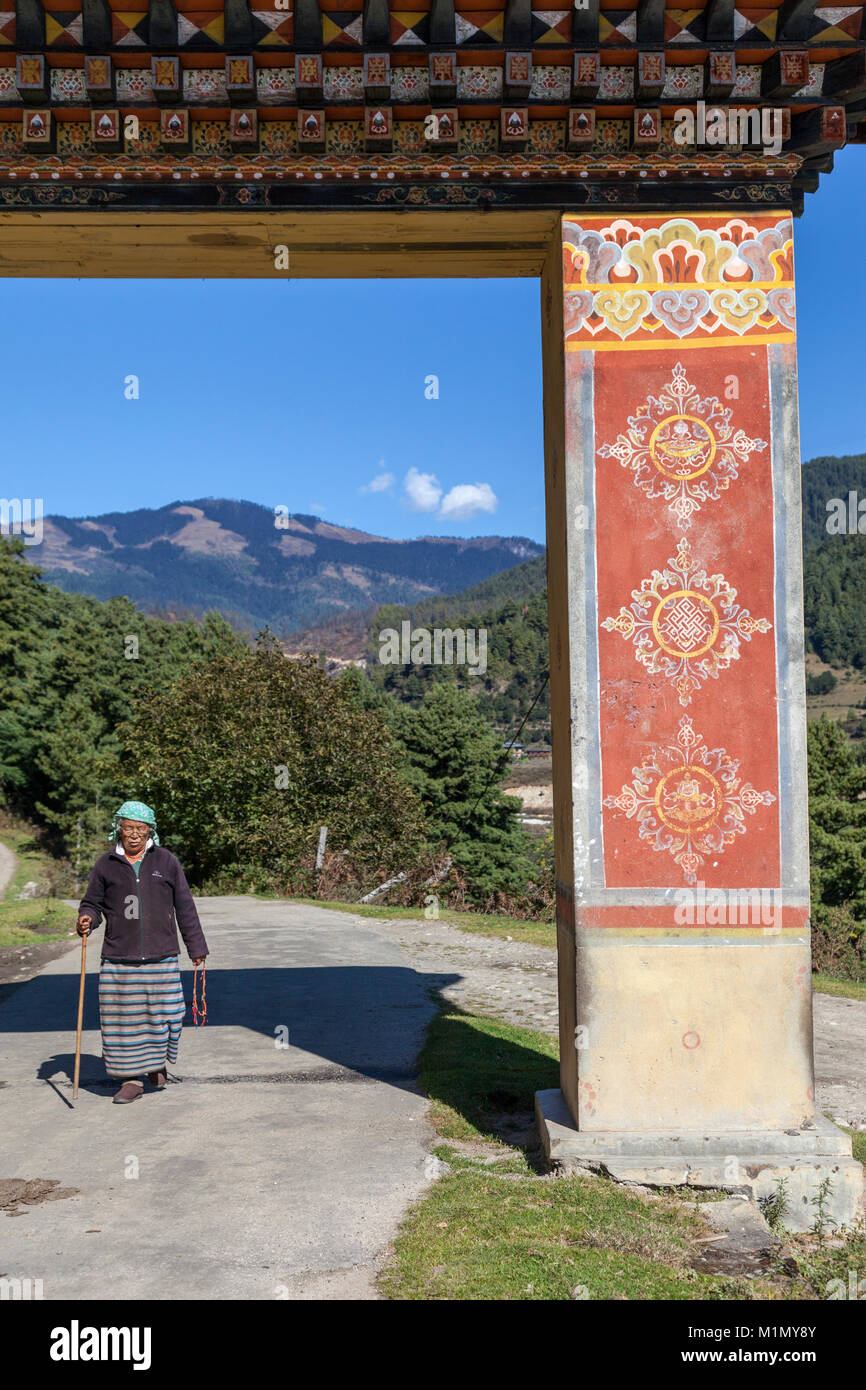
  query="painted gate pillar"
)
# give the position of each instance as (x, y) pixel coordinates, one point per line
(678, 705)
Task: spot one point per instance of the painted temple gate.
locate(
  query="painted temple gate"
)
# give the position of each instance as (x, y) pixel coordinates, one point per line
(141, 139)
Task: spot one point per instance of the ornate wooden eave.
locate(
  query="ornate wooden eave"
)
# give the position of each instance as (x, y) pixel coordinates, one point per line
(377, 107)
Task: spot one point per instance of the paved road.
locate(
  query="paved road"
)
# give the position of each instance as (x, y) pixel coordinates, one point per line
(269, 1172)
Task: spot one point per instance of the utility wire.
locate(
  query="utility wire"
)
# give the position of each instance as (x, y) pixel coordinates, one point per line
(503, 761)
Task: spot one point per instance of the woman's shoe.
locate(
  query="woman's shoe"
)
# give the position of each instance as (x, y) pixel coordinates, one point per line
(157, 1079)
(130, 1090)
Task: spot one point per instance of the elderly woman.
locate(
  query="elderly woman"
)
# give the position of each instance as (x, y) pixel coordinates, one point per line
(140, 887)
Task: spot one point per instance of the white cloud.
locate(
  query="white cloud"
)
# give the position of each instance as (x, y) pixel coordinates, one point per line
(380, 483)
(422, 491)
(466, 499)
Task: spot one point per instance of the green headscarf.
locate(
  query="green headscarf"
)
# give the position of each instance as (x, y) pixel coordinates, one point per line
(135, 810)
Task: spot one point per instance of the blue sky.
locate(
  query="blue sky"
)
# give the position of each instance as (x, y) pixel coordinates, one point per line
(304, 393)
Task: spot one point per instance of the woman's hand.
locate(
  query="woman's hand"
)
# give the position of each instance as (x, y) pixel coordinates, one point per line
(84, 925)
(200, 961)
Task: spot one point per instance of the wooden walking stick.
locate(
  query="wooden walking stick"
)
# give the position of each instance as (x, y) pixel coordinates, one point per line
(84, 936)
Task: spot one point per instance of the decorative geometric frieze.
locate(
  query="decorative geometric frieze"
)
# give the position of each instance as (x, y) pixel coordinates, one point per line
(106, 130)
(99, 79)
(9, 94)
(818, 131)
(410, 84)
(650, 76)
(444, 129)
(586, 76)
(344, 84)
(442, 69)
(377, 77)
(410, 30)
(134, 85)
(518, 76)
(581, 128)
(37, 131)
(551, 83)
(784, 73)
(244, 129)
(479, 83)
(720, 75)
(683, 83)
(201, 32)
(175, 129)
(276, 86)
(165, 77)
(378, 128)
(688, 800)
(129, 31)
(747, 86)
(617, 28)
(685, 625)
(617, 83)
(31, 77)
(240, 80)
(308, 77)
(646, 132)
(67, 85)
(514, 127)
(65, 29)
(205, 85)
(311, 131)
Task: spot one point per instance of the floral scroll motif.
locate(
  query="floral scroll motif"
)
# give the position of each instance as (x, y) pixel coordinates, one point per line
(682, 447)
(685, 624)
(678, 279)
(688, 800)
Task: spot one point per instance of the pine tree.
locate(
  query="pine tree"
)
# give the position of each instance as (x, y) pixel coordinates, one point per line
(455, 760)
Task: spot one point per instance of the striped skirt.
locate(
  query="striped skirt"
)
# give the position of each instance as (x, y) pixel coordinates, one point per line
(141, 1009)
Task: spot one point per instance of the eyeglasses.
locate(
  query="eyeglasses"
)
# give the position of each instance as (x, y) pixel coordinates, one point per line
(134, 829)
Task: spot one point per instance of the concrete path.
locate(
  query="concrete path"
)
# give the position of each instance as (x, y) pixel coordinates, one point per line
(270, 1172)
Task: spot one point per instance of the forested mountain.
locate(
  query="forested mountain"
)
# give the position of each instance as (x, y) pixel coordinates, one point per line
(824, 480)
(257, 569)
(512, 609)
(834, 601)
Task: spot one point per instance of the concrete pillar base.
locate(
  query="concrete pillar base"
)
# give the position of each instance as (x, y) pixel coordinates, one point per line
(749, 1162)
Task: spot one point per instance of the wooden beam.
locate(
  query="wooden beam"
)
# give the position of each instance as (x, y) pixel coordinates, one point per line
(719, 21)
(238, 26)
(322, 245)
(584, 24)
(308, 26)
(29, 24)
(162, 24)
(650, 21)
(845, 78)
(517, 26)
(96, 26)
(794, 19)
(443, 24)
(376, 24)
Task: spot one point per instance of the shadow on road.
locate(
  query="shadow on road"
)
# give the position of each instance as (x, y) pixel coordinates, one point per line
(367, 1020)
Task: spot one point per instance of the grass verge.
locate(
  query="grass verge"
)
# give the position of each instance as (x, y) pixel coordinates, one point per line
(497, 1227)
(486, 924)
(535, 933)
(25, 921)
(846, 989)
